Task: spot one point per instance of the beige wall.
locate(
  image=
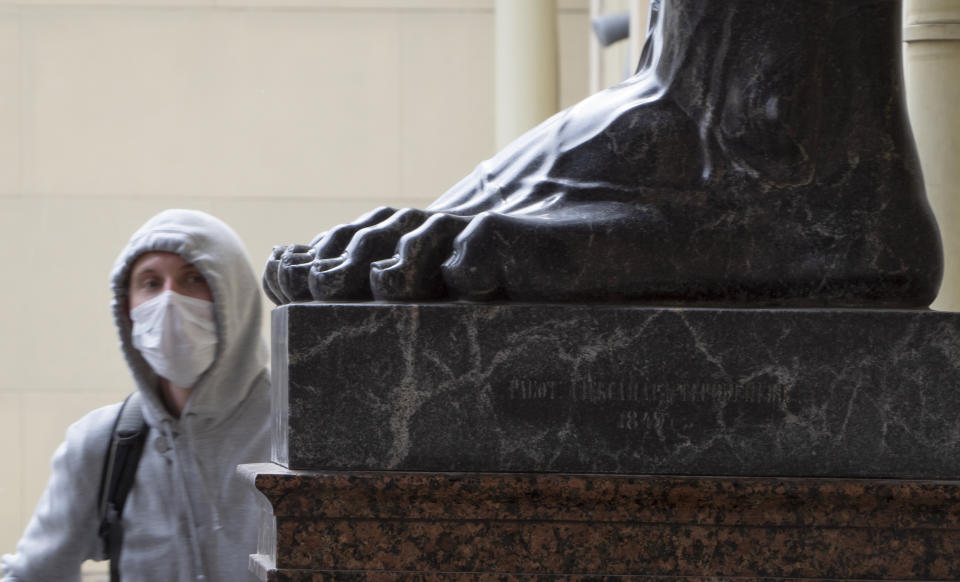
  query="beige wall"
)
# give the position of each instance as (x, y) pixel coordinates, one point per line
(283, 117)
(932, 73)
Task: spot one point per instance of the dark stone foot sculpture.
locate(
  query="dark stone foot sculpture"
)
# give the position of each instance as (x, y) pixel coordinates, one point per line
(761, 156)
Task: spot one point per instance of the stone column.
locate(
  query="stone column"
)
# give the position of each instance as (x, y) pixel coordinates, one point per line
(932, 70)
(526, 66)
(608, 64)
(596, 70)
(639, 15)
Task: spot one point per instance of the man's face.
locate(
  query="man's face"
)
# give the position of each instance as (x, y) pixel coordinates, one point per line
(158, 271)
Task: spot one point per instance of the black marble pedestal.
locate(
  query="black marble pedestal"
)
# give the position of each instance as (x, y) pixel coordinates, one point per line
(617, 389)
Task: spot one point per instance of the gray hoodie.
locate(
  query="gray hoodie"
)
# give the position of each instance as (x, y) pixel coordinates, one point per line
(188, 516)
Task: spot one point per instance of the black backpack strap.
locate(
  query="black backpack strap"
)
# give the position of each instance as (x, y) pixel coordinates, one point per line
(119, 468)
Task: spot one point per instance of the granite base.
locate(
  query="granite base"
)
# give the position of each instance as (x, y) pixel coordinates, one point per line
(617, 389)
(448, 526)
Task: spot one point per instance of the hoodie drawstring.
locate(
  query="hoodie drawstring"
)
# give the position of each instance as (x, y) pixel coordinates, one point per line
(209, 492)
(200, 572)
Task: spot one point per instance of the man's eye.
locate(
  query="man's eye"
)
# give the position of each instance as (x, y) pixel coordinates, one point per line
(196, 279)
(151, 284)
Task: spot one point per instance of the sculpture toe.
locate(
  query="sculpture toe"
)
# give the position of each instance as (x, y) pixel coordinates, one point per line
(335, 241)
(414, 272)
(341, 283)
(294, 270)
(471, 272)
(347, 277)
(269, 281)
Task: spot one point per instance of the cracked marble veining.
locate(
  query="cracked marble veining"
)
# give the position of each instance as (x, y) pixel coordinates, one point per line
(619, 389)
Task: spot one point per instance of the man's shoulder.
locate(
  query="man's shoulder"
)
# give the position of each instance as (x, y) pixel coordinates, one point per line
(88, 436)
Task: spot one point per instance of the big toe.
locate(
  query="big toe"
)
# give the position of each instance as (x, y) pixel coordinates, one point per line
(474, 269)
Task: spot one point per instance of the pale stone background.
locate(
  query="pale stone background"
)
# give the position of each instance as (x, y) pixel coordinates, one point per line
(283, 117)
(932, 72)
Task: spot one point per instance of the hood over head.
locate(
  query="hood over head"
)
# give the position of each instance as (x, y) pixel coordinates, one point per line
(241, 354)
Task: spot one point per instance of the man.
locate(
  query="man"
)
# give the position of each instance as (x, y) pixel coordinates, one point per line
(187, 307)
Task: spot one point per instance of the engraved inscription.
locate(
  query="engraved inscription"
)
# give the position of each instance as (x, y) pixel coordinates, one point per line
(596, 392)
(533, 390)
(634, 419)
(650, 394)
(591, 390)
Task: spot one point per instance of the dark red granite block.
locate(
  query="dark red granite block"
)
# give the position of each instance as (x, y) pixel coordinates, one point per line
(343, 576)
(419, 526)
(618, 549)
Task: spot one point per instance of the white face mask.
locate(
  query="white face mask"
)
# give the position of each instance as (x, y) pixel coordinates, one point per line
(176, 335)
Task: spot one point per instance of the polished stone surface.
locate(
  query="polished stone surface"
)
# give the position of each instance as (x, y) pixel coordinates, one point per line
(760, 156)
(617, 389)
(448, 526)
